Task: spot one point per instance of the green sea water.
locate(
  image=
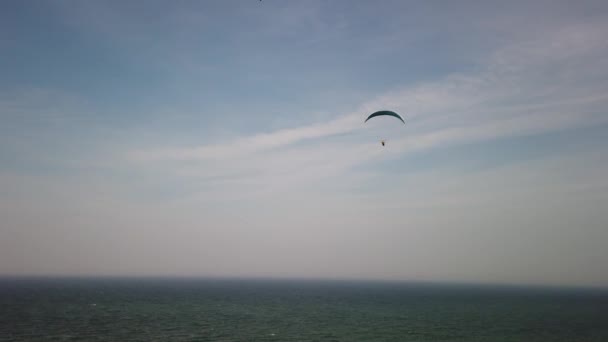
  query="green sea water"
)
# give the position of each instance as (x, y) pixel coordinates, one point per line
(271, 310)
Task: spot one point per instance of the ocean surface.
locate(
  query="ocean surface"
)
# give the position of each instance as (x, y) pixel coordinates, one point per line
(44, 309)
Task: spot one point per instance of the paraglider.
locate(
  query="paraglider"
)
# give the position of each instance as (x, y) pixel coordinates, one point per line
(385, 113)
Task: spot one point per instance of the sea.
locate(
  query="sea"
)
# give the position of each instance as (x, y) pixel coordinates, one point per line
(152, 309)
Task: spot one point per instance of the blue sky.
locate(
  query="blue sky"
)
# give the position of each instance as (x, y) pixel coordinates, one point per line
(227, 138)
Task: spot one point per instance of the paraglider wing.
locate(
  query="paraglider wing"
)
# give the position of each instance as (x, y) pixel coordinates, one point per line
(385, 112)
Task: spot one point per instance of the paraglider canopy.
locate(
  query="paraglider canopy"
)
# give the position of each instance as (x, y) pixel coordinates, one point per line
(385, 113)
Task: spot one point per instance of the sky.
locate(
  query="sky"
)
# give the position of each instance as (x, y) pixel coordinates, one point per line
(227, 138)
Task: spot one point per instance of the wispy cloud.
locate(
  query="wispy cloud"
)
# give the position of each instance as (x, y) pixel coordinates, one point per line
(525, 88)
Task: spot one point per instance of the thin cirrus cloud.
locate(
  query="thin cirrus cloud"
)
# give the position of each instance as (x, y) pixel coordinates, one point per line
(523, 89)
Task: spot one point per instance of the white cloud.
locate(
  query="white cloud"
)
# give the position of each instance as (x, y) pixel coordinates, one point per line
(526, 88)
